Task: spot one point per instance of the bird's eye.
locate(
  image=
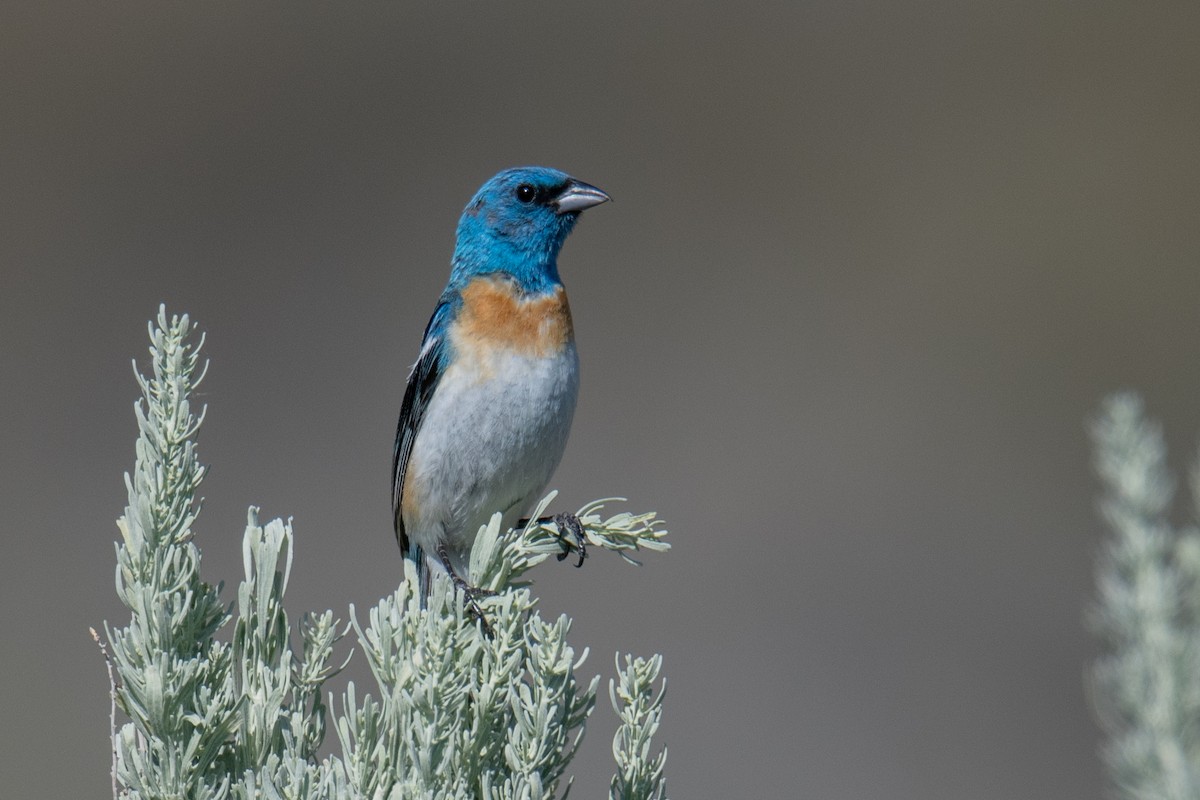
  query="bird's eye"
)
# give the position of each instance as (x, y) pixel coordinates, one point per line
(526, 193)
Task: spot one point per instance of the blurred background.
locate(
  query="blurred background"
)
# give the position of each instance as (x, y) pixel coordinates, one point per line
(870, 268)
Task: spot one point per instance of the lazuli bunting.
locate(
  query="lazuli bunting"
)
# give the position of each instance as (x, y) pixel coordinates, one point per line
(490, 399)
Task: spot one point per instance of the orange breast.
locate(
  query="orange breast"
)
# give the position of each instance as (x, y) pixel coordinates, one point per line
(495, 315)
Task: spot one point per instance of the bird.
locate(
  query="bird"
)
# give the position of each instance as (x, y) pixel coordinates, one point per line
(489, 402)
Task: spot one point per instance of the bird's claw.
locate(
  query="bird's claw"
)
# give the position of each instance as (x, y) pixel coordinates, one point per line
(471, 594)
(571, 523)
(564, 523)
(471, 597)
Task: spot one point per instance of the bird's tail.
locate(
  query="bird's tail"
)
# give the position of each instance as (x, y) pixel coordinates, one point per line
(416, 555)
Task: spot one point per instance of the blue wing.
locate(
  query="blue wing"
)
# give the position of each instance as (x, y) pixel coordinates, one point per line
(422, 383)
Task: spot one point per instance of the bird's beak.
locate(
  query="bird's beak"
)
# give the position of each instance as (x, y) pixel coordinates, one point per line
(578, 196)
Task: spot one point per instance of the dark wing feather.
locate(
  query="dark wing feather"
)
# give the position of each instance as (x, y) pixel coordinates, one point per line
(422, 382)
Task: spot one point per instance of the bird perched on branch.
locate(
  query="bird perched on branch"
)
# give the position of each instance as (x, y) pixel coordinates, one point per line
(490, 399)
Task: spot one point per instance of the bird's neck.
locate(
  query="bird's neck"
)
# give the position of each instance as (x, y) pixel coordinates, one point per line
(535, 271)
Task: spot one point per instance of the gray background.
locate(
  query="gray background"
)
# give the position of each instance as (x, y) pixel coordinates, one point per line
(870, 268)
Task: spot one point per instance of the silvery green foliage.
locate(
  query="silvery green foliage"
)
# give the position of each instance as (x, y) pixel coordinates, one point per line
(204, 716)
(1147, 684)
(639, 772)
(455, 711)
(461, 713)
(174, 677)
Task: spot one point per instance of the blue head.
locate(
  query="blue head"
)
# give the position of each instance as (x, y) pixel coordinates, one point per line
(516, 224)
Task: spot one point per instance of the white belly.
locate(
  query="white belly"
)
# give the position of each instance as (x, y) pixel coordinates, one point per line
(489, 441)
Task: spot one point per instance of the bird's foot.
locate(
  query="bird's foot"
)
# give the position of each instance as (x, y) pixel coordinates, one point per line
(570, 522)
(471, 594)
(564, 523)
